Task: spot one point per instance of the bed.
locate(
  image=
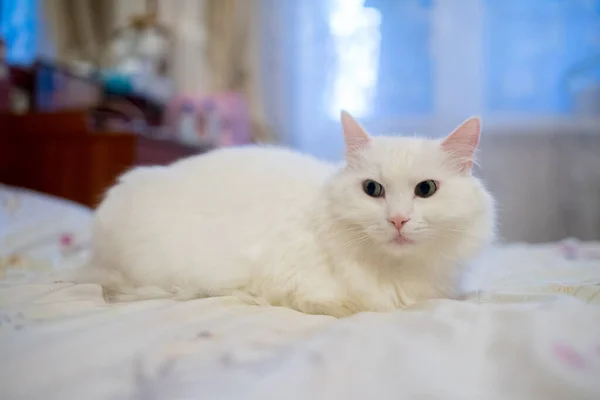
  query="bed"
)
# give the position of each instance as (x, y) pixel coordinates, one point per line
(529, 329)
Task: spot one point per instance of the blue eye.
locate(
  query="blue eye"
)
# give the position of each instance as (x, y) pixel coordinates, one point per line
(373, 189)
(426, 188)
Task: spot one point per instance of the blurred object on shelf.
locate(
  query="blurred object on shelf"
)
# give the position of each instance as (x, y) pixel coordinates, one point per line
(20, 100)
(117, 113)
(117, 83)
(156, 88)
(221, 119)
(188, 129)
(138, 59)
(50, 87)
(5, 80)
(234, 118)
(58, 88)
(138, 113)
(18, 88)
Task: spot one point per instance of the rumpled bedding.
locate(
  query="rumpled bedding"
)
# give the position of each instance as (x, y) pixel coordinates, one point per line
(529, 329)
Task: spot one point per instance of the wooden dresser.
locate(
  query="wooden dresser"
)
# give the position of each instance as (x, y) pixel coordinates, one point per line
(58, 154)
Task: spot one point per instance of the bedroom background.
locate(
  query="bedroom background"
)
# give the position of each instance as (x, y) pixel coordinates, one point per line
(284, 69)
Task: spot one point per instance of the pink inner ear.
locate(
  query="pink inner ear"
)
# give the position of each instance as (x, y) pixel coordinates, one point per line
(354, 135)
(462, 143)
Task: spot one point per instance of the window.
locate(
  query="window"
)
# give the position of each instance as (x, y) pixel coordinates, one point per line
(424, 65)
(355, 31)
(383, 62)
(404, 68)
(532, 52)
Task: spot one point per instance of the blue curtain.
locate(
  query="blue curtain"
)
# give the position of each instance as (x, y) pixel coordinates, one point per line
(19, 27)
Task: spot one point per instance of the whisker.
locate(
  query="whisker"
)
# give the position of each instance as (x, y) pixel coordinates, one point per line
(357, 240)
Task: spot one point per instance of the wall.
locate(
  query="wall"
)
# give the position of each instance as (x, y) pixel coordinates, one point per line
(547, 185)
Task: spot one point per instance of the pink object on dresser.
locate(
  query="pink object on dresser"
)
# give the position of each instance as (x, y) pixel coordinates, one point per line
(221, 118)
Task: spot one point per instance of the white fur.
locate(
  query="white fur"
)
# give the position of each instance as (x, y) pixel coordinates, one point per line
(283, 228)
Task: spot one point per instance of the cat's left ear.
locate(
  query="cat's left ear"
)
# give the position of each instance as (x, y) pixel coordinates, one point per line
(462, 143)
(355, 136)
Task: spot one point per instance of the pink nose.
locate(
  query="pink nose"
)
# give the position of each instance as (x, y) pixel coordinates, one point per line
(399, 221)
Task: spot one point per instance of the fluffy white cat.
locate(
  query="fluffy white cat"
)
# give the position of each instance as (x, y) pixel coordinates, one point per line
(396, 223)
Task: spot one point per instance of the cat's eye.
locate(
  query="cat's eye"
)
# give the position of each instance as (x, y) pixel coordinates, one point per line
(373, 189)
(426, 188)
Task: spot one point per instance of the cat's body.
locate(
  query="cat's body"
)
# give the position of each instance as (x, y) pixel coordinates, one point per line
(283, 228)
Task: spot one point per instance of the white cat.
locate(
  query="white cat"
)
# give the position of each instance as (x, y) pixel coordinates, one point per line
(395, 224)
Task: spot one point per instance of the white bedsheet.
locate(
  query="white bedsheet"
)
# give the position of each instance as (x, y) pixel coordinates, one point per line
(532, 332)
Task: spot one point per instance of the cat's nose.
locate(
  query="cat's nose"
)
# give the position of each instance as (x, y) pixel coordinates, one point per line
(399, 221)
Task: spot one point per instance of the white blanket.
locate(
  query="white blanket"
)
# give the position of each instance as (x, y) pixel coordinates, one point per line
(531, 332)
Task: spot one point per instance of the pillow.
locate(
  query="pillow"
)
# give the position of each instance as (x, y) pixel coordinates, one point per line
(41, 232)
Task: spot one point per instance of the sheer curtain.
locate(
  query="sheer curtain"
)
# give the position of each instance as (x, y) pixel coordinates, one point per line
(530, 68)
(77, 29)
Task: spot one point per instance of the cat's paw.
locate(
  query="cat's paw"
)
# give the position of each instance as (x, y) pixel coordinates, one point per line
(251, 299)
(338, 309)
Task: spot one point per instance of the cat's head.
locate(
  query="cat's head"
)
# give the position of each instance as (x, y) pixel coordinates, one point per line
(405, 195)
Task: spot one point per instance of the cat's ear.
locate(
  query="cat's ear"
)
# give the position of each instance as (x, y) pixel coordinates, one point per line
(355, 136)
(462, 143)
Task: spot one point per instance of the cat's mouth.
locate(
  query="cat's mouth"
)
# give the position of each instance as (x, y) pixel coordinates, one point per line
(402, 240)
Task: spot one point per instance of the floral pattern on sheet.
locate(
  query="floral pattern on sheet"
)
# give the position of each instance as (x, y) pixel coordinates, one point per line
(40, 233)
(569, 355)
(528, 273)
(573, 249)
(566, 358)
(15, 321)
